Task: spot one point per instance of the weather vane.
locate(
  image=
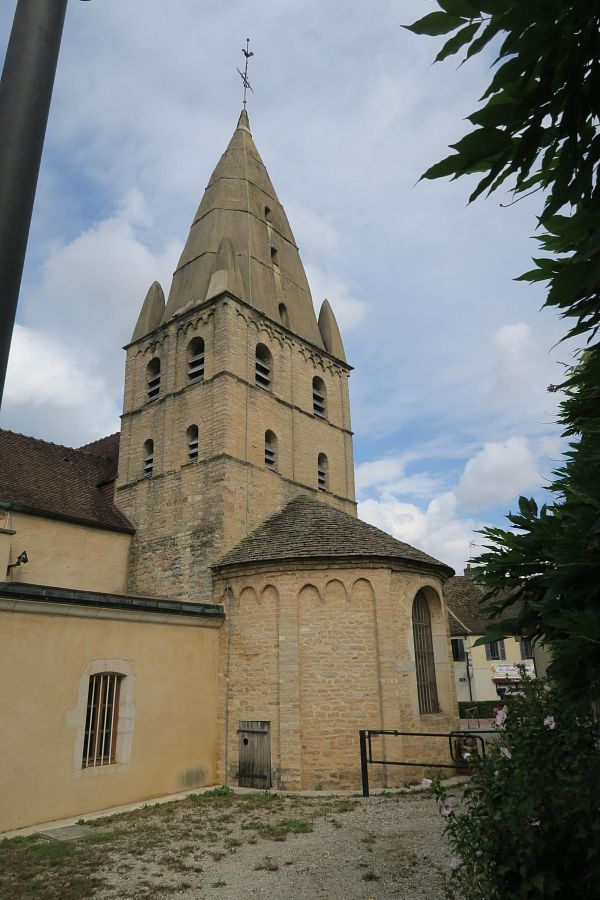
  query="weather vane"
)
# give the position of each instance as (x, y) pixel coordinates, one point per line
(244, 75)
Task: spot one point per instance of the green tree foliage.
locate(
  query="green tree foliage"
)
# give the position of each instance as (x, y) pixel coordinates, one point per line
(537, 130)
(527, 824)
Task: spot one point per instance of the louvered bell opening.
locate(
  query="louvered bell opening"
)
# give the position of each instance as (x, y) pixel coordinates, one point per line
(263, 374)
(196, 367)
(424, 657)
(269, 458)
(154, 386)
(322, 479)
(149, 465)
(193, 450)
(318, 404)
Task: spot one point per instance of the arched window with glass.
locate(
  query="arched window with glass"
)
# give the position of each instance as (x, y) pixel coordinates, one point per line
(424, 657)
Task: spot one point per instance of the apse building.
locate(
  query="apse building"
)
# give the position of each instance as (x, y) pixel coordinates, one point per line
(200, 603)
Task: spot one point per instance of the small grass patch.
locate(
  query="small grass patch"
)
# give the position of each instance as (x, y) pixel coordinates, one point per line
(370, 876)
(267, 865)
(50, 851)
(297, 826)
(103, 837)
(344, 805)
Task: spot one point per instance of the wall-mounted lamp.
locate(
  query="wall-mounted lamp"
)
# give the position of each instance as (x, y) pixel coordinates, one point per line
(22, 558)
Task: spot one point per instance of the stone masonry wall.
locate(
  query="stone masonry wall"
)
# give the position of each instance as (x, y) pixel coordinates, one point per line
(321, 653)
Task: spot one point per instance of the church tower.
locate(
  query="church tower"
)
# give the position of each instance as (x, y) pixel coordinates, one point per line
(236, 398)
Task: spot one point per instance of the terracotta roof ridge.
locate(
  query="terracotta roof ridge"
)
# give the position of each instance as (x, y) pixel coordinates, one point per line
(30, 437)
(84, 447)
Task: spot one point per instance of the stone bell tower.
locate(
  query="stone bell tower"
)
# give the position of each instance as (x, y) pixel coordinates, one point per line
(236, 398)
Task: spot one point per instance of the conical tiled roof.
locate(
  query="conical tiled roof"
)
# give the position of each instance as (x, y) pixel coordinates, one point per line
(309, 529)
(240, 203)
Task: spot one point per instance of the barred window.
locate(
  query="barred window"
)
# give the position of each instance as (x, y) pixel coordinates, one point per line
(153, 378)
(424, 658)
(319, 398)
(192, 443)
(148, 458)
(195, 357)
(101, 720)
(270, 450)
(264, 366)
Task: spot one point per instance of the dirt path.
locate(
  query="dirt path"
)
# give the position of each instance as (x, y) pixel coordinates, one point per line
(224, 845)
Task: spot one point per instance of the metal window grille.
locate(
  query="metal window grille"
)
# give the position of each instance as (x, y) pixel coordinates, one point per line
(196, 367)
(424, 658)
(263, 373)
(318, 401)
(458, 650)
(101, 720)
(153, 385)
(193, 442)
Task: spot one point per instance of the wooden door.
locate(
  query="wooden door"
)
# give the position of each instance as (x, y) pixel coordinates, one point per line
(254, 740)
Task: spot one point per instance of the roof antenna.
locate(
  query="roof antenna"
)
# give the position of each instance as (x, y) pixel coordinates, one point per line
(244, 75)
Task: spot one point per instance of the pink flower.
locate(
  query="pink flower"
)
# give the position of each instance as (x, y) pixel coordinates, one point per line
(455, 862)
(505, 752)
(426, 783)
(501, 715)
(550, 723)
(466, 755)
(446, 809)
(535, 822)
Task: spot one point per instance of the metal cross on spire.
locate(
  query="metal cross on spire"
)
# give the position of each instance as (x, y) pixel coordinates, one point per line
(244, 75)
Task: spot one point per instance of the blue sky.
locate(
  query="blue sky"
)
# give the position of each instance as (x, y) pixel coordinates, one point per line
(452, 357)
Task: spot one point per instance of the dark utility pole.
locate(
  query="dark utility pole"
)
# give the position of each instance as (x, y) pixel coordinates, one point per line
(25, 93)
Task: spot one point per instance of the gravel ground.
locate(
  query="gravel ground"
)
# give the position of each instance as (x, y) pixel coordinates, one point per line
(243, 845)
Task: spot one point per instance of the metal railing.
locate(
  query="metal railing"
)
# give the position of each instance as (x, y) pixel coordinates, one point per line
(454, 738)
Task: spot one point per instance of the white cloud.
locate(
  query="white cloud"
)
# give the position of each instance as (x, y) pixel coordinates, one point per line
(498, 473)
(324, 284)
(50, 392)
(437, 529)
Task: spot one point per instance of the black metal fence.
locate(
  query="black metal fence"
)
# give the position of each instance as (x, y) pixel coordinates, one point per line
(457, 741)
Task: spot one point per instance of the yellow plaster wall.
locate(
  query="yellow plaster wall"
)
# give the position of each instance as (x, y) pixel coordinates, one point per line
(171, 717)
(63, 554)
(482, 684)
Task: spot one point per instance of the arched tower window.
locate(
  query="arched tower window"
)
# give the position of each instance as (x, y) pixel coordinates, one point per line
(195, 359)
(148, 458)
(283, 315)
(319, 398)
(264, 366)
(424, 658)
(192, 443)
(268, 216)
(153, 378)
(270, 450)
(322, 472)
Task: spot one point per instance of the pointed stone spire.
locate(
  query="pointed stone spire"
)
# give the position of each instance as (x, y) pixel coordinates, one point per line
(226, 276)
(330, 332)
(240, 203)
(153, 309)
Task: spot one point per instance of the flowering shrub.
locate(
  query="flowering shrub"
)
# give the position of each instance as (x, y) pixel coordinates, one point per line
(528, 822)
